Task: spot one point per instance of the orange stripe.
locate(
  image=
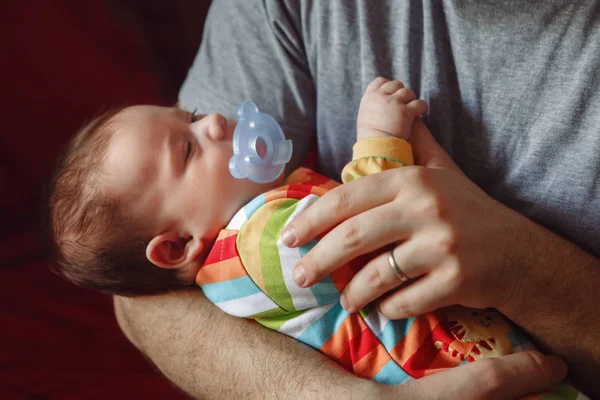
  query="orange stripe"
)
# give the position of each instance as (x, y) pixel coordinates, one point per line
(318, 190)
(279, 193)
(537, 396)
(420, 329)
(225, 233)
(221, 271)
(338, 343)
(368, 366)
(441, 362)
(300, 175)
(330, 185)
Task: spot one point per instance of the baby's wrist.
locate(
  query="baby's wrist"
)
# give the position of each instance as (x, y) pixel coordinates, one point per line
(369, 131)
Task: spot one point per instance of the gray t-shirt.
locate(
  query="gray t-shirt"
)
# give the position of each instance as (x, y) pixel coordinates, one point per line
(513, 87)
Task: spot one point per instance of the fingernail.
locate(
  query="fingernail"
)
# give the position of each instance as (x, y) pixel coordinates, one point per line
(344, 301)
(558, 367)
(299, 276)
(385, 313)
(288, 236)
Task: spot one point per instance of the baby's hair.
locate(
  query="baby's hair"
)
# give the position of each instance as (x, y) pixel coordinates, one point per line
(95, 244)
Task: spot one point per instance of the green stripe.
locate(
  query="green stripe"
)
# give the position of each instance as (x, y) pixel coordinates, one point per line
(276, 322)
(366, 310)
(564, 391)
(384, 158)
(269, 255)
(273, 312)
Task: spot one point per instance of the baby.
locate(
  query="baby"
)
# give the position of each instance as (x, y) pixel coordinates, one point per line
(139, 205)
(149, 188)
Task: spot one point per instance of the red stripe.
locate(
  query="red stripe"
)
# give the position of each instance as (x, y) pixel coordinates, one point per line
(358, 347)
(485, 345)
(223, 249)
(315, 179)
(362, 344)
(421, 360)
(298, 191)
(345, 360)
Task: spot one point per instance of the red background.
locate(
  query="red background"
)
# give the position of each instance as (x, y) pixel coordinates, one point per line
(62, 63)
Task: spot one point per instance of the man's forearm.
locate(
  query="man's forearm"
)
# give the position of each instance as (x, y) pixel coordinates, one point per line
(557, 303)
(212, 355)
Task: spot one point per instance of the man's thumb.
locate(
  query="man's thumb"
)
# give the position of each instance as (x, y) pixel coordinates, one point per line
(507, 377)
(426, 150)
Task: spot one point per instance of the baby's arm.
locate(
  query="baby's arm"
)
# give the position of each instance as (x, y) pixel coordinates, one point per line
(385, 118)
(387, 109)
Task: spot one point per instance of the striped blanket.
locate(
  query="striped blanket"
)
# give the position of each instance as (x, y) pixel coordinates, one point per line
(248, 274)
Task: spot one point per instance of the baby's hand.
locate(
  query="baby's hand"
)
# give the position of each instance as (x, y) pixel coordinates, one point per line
(388, 109)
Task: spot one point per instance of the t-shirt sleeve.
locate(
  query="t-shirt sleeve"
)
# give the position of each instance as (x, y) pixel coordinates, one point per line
(377, 154)
(253, 50)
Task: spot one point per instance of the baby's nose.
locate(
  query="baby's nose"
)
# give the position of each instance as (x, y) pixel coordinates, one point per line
(216, 125)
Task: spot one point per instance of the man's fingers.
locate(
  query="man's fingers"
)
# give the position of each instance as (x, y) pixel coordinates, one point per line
(507, 377)
(427, 294)
(338, 205)
(427, 151)
(361, 234)
(414, 258)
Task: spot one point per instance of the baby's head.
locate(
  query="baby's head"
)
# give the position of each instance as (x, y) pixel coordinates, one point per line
(139, 196)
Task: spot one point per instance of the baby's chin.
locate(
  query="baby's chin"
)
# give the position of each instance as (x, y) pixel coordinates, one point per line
(278, 181)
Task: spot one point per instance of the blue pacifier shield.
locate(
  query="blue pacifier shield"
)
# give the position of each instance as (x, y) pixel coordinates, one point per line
(260, 150)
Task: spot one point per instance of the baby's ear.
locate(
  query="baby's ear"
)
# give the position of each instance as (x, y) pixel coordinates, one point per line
(170, 250)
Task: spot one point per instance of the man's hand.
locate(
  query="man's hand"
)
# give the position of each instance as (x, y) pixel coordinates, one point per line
(463, 246)
(212, 355)
(507, 377)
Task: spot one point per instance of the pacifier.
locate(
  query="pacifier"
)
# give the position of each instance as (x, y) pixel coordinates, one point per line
(260, 150)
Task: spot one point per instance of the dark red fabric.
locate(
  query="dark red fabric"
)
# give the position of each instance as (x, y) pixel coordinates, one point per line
(62, 62)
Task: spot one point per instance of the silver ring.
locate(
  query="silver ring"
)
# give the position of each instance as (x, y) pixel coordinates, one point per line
(397, 271)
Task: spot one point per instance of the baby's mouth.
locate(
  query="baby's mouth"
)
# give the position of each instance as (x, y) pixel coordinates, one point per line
(229, 128)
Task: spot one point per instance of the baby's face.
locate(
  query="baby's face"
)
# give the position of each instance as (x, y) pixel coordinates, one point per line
(174, 172)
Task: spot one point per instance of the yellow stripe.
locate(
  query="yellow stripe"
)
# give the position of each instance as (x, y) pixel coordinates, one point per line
(248, 241)
(386, 147)
(226, 270)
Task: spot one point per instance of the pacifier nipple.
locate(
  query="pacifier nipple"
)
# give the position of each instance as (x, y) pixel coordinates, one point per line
(260, 149)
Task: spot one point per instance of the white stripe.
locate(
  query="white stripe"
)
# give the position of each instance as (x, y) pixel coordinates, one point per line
(246, 306)
(238, 220)
(303, 298)
(376, 321)
(296, 326)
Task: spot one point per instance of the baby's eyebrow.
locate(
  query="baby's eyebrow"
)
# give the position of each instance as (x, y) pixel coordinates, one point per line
(181, 113)
(173, 154)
